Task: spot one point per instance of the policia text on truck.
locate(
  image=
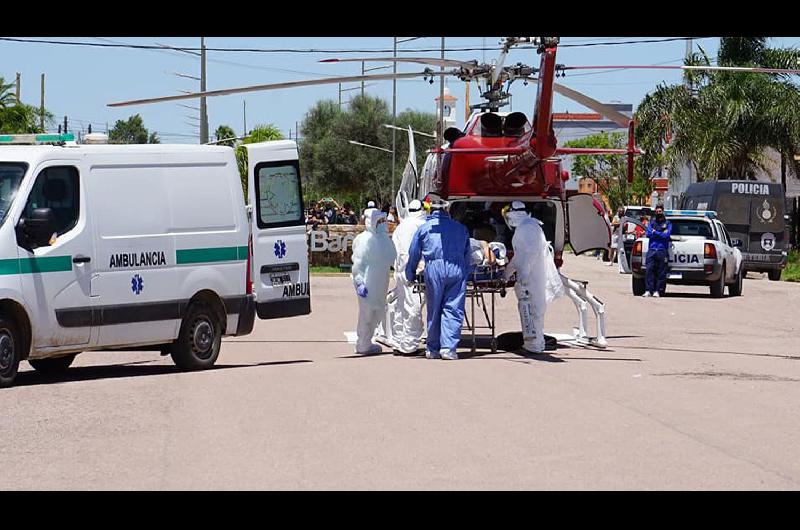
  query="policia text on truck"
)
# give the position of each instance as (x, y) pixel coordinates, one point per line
(144, 247)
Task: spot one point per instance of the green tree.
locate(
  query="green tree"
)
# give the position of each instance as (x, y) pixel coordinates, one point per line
(610, 171)
(225, 132)
(260, 133)
(18, 118)
(131, 131)
(350, 172)
(22, 119)
(724, 122)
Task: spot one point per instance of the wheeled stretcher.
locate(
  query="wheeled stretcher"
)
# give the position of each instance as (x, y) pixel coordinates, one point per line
(483, 284)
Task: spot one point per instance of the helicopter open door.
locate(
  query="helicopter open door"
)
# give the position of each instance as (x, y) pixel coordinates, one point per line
(588, 228)
(410, 182)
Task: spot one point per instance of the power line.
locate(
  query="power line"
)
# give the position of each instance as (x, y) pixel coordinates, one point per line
(320, 50)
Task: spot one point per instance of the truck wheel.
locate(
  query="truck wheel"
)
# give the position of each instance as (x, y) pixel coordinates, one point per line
(735, 289)
(10, 351)
(718, 287)
(199, 340)
(775, 275)
(638, 285)
(55, 365)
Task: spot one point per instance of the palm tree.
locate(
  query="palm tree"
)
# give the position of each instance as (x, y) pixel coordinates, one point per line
(723, 122)
(8, 96)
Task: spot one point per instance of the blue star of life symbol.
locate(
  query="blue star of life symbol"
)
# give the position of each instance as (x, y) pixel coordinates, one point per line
(137, 284)
(280, 248)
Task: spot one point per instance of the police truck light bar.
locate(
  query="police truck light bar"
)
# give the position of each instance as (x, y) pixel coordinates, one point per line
(34, 139)
(691, 213)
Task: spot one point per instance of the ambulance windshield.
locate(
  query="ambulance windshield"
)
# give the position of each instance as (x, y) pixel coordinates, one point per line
(11, 174)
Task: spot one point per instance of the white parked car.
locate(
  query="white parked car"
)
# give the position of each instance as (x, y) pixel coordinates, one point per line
(144, 247)
(700, 253)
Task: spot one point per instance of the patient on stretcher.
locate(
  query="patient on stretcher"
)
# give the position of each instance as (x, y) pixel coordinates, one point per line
(486, 254)
(488, 259)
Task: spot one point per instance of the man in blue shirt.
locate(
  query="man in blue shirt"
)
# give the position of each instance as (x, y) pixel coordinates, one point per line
(444, 244)
(658, 232)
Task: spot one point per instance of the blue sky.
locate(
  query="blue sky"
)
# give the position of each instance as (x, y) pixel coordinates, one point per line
(81, 81)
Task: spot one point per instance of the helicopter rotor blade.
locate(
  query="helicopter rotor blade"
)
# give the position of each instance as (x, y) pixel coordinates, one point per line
(498, 67)
(747, 69)
(275, 86)
(605, 110)
(422, 60)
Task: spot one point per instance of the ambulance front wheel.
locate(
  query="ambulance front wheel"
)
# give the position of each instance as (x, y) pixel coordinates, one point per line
(10, 350)
(199, 340)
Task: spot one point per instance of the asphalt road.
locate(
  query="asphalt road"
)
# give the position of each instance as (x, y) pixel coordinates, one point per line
(692, 393)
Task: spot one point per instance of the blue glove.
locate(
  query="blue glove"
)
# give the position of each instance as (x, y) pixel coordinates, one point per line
(361, 290)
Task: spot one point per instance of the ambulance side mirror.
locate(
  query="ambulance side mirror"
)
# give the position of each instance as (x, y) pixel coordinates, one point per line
(36, 230)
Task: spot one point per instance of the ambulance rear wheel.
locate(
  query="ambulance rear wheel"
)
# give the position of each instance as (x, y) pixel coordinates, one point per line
(56, 365)
(718, 287)
(10, 350)
(200, 338)
(638, 286)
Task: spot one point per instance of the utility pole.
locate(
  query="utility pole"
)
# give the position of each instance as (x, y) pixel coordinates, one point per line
(65, 125)
(394, 109)
(203, 109)
(244, 116)
(340, 95)
(18, 89)
(41, 107)
(440, 125)
(362, 81)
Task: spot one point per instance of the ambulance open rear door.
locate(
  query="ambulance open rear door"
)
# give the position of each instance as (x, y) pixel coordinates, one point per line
(279, 265)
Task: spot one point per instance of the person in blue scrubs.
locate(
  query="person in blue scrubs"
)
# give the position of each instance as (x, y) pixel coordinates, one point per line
(658, 231)
(444, 245)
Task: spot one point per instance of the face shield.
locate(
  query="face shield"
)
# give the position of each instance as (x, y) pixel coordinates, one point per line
(374, 219)
(514, 214)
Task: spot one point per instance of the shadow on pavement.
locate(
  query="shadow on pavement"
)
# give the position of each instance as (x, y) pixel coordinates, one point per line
(669, 294)
(117, 371)
(359, 356)
(653, 348)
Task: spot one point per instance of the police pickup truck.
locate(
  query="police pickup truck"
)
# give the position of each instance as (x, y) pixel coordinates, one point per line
(701, 252)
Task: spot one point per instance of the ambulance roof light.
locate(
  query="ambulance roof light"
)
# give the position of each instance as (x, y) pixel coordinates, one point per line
(36, 139)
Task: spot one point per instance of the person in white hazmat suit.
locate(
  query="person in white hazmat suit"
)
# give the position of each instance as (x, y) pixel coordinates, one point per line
(537, 275)
(408, 324)
(373, 255)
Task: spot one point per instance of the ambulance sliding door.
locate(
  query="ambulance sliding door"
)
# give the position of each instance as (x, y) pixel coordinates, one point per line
(280, 248)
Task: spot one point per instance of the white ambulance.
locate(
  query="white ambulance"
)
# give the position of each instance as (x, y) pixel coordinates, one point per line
(106, 247)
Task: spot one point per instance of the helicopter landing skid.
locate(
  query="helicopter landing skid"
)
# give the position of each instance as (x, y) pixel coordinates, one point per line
(583, 299)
